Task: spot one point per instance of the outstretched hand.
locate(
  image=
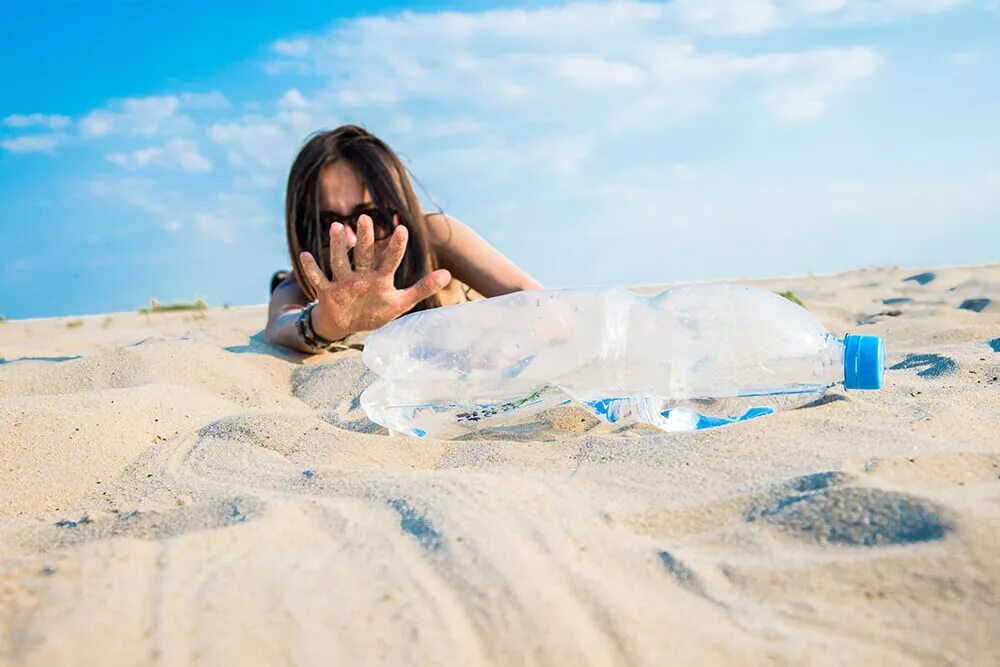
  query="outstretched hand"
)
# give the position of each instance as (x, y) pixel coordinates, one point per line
(363, 297)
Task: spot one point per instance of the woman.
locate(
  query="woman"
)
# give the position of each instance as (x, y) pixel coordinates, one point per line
(363, 252)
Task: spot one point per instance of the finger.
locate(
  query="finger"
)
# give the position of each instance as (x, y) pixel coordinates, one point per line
(364, 251)
(314, 274)
(425, 287)
(393, 254)
(340, 265)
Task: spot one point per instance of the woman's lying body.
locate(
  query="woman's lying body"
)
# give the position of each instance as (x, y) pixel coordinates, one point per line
(364, 252)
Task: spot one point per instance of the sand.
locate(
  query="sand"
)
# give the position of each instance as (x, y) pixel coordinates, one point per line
(177, 492)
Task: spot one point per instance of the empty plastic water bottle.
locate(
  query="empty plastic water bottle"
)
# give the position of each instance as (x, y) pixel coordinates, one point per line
(688, 358)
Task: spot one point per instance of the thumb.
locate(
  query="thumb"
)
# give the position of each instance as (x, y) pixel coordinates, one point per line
(430, 284)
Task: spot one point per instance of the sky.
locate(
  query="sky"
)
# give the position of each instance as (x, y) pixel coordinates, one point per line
(144, 147)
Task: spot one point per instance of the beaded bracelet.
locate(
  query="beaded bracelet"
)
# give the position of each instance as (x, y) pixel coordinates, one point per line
(307, 334)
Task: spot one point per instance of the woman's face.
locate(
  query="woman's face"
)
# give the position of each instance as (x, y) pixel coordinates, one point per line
(341, 191)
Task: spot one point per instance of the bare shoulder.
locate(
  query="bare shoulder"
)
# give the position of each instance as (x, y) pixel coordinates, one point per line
(286, 296)
(472, 260)
(289, 288)
(443, 228)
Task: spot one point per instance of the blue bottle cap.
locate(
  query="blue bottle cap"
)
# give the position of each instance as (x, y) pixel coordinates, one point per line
(864, 362)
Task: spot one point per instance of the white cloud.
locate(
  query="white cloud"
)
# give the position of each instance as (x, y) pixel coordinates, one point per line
(134, 116)
(139, 193)
(540, 104)
(727, 16)
(295, 48)
(232, 215)
(187, 156)
(51, 121)
(293, 98)
(34, 143)
(593, 71)
(439, 127)
(256, 141)
(257, 181)
(149, 116)
(821, 6)
(214, 224)
(224, 216)
(798, 93)
(212, 100)
(551, 155)
(758, 16)
(623, 66)
(253, 142)
(145, 156)
(177, 153)
(722, 223)
(872, 11)
(628, 66)
(965, 58)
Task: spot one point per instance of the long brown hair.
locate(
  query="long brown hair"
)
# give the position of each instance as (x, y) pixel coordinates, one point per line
(387, 182)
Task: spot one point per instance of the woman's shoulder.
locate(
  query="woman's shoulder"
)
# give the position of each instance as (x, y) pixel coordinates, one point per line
(287, 293)
(438, 221)
(443, 230)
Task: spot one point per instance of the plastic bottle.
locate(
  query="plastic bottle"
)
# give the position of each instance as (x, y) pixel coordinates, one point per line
(688, 358)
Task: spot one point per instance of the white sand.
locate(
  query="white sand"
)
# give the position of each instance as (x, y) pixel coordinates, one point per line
(202, 498)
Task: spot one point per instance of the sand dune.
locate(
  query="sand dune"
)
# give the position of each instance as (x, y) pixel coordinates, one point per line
(175, 491)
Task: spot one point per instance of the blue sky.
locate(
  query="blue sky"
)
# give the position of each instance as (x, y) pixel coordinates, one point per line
(144, 146)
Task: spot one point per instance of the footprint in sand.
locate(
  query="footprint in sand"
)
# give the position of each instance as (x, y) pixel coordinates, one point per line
(417, 525)
(921, 278)
(682, 574)
(49, 359)
(935, 365)
(975, 305)
(335, 388)
(872, 319)
(158, 525)
(818, 508)
(824, 507)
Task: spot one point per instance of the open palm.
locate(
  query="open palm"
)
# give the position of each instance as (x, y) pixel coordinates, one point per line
(363, 297)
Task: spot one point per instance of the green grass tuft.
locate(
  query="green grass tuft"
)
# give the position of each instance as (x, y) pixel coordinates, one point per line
(157, 307)
(73, 324)
(791, 297)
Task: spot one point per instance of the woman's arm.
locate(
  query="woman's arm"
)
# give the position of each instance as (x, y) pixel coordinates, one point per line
(287, 302)
(474, 261)
(359, 298)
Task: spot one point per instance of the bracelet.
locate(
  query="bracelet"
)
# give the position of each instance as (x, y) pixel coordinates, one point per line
(307, 334)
